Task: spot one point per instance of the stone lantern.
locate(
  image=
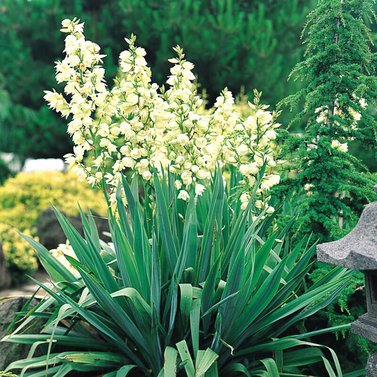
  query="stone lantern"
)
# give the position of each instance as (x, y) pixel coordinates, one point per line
(358, 251)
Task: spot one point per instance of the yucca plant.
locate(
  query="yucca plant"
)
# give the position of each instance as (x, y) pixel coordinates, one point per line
(197, 288)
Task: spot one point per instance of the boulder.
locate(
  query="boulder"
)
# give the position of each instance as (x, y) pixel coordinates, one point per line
(43, 164)
(51, 234)
(9, 308)
(5, 279)
(371, 370)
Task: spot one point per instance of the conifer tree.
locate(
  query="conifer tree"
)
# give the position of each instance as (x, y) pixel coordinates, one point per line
(339, 73)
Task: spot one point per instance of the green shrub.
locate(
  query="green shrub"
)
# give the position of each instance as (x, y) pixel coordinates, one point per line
(20, 257)
(24, 197)
(185, 288)
(352, 349)
(339, 98)
(28, 30)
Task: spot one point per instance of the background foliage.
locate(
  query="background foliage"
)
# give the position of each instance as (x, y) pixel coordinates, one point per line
(236, 43)
(339, 76)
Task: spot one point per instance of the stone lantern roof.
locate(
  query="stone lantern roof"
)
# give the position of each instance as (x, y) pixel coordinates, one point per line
(358, 249)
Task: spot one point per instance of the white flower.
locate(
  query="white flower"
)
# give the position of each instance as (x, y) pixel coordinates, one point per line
(147, 175)
(60, 254)
(356, 115)
(274, 179)
(135, 153)
(342, 147)
(103, 130)
(132, 99)
(270, 181)
(140, 52)
(184, 195)
(264, 116)
(243, 150)
(270, 210)
(78, 151)
(183, 139)
(199, 189)
(246, 169)
(201, 174)
(271, 134)
(308, 186)
(245, 198)
(66, 22)
(259, 204)
(186, 177)
(363, 103)
(244, 205)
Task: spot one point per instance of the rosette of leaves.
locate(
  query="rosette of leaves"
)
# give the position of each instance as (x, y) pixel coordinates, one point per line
(185, 289)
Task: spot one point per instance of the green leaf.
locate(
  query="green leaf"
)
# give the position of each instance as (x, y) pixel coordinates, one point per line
(170, 363)
(116, 311)
(168, 238)
(195, 326)
(123, 372)
(186, 300)
(213, 221)
(271, 367)
(186, 359)
(54, 268)
(205, 360)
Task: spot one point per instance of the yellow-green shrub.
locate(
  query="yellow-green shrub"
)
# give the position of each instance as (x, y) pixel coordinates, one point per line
(25, 196)
(19, 254)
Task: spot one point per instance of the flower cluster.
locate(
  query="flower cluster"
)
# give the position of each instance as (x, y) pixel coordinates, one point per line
(140, 127)
(60, 253)
(341, 147)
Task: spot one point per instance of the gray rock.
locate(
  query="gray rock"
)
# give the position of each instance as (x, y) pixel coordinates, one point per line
(358, 249)
(10, 352)
(5, 279)
(43, 164)
(366, 326)
(51, 234)
(371, 370)
(12, 161)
